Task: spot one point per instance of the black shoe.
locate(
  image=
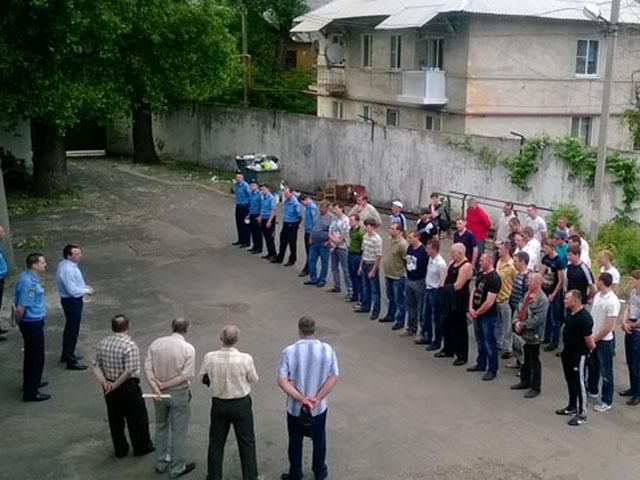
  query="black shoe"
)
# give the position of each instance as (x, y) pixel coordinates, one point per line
(566, 411)
(122, 454)
(422, 341)
(2, 339)
(38, 397)
(187, 468)
(309, 282)
(374, 317)
(432, 347)
(386, 320)
(577, 420)
(532, 393)
(361, 310)
(442, 354)
(626, 393)
(550, 348)
(275, 260)
(3, 331)
(244, 245)
(256, 252)
(303, 274)
(488, 376)
(397, 327)
(145, 451)
(475, 368)
(506, 356)
(73, 359)
(268, 257)
(236, 243)
(334, 290)
(76, 366)
(43, 384)
(519, 386)
(459, 362)
(633, 401)
(289, 264)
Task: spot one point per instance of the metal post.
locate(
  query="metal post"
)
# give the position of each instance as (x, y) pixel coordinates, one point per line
(245, 57)
(612, 35)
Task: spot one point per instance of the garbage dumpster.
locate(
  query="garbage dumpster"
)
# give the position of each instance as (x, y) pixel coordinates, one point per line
(261, 168)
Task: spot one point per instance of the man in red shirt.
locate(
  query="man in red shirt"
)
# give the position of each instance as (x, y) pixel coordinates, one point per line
(478, 223)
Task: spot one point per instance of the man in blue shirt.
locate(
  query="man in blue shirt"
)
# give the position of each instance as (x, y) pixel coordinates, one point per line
(72, 290)
(267, 220)
(320, 247)
(291, 218)
(243, 196)
(31, 311)
(4, 270)
(255, 200)
(311, 214)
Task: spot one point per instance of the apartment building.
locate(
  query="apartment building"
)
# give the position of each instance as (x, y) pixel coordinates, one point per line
(487, 67)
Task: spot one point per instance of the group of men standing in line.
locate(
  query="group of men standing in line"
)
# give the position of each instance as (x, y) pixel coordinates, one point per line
(535, 289)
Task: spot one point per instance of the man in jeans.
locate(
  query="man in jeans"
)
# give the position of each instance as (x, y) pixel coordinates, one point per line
(631, 328)
(369, 270)
(483, 311)
(338, 235)
(320, 247)
(414, 287)
(552, 270)
(356, 234)
(307, 373)
(507, 270)
(604, 312)
(434, 283)
(394, 263)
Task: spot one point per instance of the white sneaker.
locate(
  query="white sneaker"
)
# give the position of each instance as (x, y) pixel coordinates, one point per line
(593, 395)
(602, 407)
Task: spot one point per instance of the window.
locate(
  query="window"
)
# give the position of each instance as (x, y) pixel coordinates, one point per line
(337, 38)
(291, 59)
(433, 57)
(366, 113)
(433, 122)
(393, 117)
(338, 110)
(367, 47)
(581, 128)
(587, 57)
(395, 58)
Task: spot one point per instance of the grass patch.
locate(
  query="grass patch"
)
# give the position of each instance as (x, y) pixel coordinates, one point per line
(32, 243)
(22, 203)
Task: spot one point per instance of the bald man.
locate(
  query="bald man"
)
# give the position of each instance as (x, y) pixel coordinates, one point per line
(169, 365)
(229, 374)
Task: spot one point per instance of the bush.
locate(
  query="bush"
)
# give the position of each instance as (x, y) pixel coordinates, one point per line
(622, 237)
(567, 210)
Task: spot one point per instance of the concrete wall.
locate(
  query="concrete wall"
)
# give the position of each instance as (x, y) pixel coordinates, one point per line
(17, 141)
(392, 166)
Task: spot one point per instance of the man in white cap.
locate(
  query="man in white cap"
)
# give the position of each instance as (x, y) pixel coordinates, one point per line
(397, 216)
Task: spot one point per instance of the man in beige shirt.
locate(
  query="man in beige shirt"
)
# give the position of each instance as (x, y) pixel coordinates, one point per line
(169, 365)
(229, 374)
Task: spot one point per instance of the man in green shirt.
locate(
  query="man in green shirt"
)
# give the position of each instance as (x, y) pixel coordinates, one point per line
(394, 264)
(356, 232)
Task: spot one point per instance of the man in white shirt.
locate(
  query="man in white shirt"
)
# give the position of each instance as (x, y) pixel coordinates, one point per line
(604, 311)
(169, 365)
(503, 230)
(432, 309)
(229, 374)
(525, 242)
(537, 223)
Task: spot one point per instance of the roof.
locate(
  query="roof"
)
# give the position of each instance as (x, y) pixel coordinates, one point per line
(398, 14)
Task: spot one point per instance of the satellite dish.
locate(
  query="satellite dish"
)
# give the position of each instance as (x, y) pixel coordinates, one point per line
(334, 54)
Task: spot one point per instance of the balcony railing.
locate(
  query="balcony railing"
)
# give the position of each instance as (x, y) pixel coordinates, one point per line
(329, 81)
(424, 87)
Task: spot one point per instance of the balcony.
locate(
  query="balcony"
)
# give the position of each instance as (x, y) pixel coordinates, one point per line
(424, 87)
(329, 81)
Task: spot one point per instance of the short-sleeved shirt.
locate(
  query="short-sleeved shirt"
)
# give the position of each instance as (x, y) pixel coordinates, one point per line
(340, 226)
(400, 219)
(468, 240)
(435, 272)
(549, 270)
(292, 210)
(485, 284)
(426, 230)
(243, 192)
(532, 248)
(4, 267)
(230, 373)
(634, 305)
(562, 250)
(579, 277)
(169, 357)
(538, 225)
(518, 289)
(267, 205)
(320, 230)
(255, 199)
(371, 247)
(576, 327)
(507, 271)
(604, 305)
(311, 214)
(613, 271)
(307, 364)
(356, 236)
(394, 258)
(115, 354)
(30, 295)
(417, 260)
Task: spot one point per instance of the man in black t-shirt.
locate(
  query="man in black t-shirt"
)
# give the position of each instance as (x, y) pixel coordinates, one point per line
(483, 311)
(578, 342)
(464, 236)
(552, 269)
(579, 277)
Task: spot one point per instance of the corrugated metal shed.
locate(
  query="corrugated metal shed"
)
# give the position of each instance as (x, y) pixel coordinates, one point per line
(416, 13)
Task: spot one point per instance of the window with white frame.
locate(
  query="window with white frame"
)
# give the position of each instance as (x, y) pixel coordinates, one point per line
(393, 117)
(587, 56)
(366, 113)
(433, 59)
(581, 127)
(433, 122)
(367, 50)
(338, 110)
(337, 38)
(395, 58)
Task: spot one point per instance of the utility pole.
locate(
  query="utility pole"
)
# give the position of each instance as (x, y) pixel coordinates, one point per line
(245, 57)
(612, 36)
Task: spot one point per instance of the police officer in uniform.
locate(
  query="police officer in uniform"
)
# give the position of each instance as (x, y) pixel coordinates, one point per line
(31, 311)
(242, 196)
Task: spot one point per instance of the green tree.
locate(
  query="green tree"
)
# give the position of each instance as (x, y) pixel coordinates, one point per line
(174, 52)
(58, 65)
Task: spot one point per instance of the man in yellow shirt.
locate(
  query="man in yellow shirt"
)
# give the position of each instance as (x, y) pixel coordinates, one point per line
(507, 271)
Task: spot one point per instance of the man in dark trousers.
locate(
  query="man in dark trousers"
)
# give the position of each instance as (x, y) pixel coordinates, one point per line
(72, 290)
(229, 375)
(291, 218)
(242, 197)
(255, 200)
(117, 368)
(267, 220)
(578, 342)
(307, 373)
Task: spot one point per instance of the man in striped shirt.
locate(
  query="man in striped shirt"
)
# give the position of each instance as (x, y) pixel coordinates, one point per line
(307, 373)
(369, 269)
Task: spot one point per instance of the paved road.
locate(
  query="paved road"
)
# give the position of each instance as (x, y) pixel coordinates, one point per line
(156, 250)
